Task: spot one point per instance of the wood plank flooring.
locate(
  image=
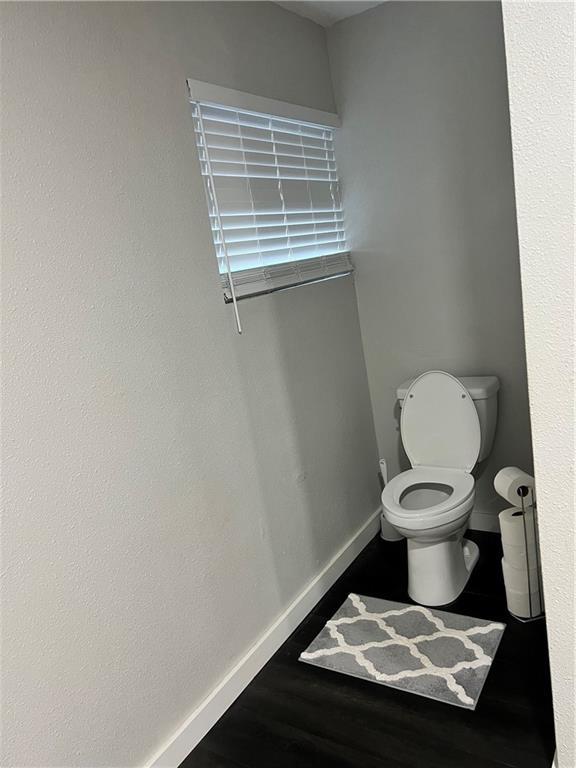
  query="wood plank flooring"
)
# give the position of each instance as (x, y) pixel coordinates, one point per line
(294, 715)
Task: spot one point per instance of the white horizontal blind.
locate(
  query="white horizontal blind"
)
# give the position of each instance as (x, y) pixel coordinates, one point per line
(273, 198)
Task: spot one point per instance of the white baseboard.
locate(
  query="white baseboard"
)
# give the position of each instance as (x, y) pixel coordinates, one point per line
(199, 722)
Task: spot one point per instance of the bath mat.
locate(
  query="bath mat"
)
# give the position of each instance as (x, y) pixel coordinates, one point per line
(432, 653)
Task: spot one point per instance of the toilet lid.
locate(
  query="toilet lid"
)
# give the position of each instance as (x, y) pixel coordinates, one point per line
(439, 423)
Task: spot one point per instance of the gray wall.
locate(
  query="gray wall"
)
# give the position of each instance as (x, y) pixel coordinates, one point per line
(169, 486)
(425, 155)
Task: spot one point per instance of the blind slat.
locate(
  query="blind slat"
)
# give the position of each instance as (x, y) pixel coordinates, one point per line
(298, 212)
(279, 162)
(220, 150)
(263, 236)
(254, 221)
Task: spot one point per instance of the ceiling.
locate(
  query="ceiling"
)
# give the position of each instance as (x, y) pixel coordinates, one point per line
(328, 12)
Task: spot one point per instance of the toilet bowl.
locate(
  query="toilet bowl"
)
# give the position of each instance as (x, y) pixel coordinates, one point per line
(431, 503)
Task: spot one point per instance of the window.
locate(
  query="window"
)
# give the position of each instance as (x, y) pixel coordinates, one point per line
(273, 197)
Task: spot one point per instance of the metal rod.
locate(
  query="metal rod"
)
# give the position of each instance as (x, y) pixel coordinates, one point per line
(537, 544)
(276, 289)
(522, 492)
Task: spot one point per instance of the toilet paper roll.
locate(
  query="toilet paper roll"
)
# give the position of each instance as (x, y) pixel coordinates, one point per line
(509, 480)
(519, 538)
(519, 603)
(517, 579)
(515, 555)
(519, 530)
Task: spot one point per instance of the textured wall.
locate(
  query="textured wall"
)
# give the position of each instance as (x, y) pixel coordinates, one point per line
(540, 56)
(162, 475)
(426, 160)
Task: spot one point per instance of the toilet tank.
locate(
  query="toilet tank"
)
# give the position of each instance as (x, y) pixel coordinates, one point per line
(484, 392)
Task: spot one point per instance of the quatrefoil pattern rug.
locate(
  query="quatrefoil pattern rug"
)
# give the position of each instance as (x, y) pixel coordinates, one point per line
(432, 653)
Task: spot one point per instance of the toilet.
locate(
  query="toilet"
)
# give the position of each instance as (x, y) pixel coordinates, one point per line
(447, 427)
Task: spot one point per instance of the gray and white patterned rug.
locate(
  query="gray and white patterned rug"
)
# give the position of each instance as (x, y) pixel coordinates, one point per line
(432, 653)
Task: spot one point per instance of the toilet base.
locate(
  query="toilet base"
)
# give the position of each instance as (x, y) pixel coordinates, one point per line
(438, 571)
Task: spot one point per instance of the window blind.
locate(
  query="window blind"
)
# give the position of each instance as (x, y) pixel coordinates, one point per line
(273, 198)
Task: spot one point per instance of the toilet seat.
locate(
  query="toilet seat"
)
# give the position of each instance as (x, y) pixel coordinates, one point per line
(439, 423)
(458, 484)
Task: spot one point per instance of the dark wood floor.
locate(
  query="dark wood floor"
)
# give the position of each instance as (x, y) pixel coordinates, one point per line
(294, 715)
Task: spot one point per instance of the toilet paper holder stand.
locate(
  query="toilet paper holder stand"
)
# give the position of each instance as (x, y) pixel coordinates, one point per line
(523, 492)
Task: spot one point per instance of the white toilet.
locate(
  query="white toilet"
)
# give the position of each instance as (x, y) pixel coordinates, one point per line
(447, 426)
